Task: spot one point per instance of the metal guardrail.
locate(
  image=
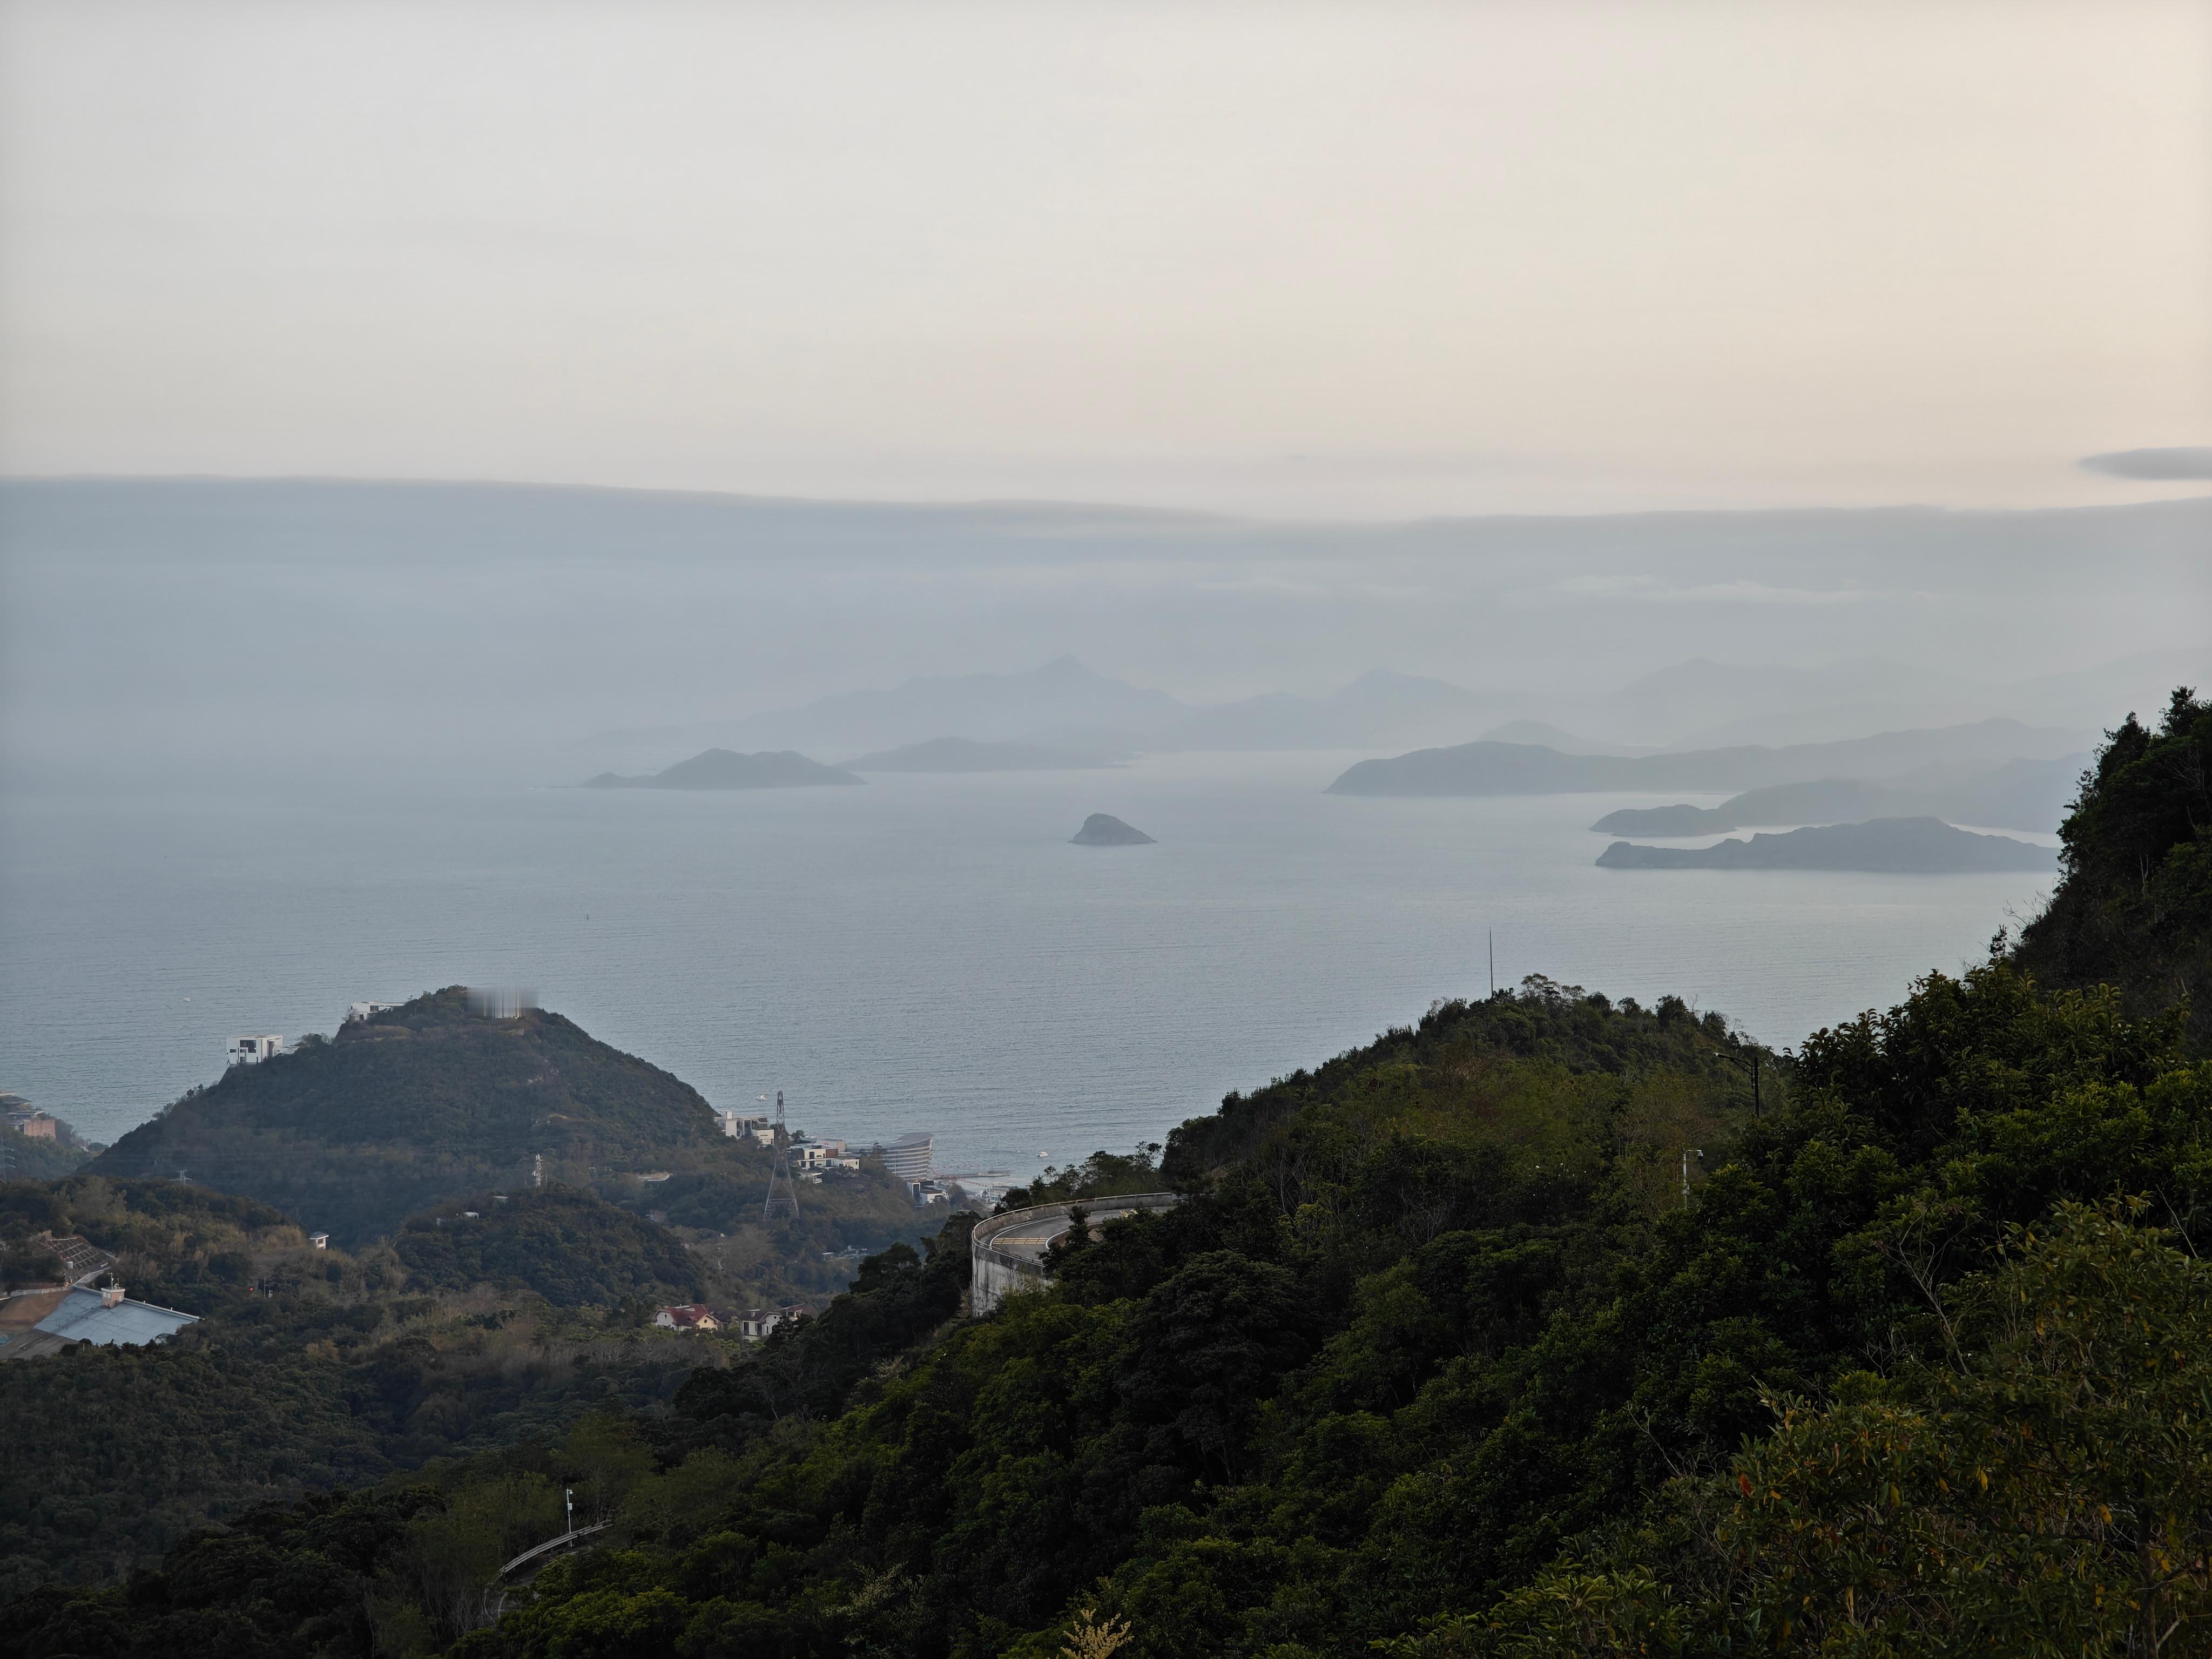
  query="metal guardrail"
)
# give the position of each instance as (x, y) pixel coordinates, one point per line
(552, 1544)
(987, 1288)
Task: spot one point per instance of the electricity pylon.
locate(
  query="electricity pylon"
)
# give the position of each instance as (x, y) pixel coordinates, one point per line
(786, 1203)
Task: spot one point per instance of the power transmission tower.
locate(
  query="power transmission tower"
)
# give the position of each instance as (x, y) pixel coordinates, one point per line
(780, 1171)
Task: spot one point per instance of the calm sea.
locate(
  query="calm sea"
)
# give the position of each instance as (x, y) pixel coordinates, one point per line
(922, 953)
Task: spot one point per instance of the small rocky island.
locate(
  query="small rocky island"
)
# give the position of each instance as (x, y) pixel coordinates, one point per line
(725, 769)
(1896, 845)
(1102, 829)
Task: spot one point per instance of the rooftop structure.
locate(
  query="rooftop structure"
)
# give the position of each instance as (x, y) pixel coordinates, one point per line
(105, 1318)
(81, 1258)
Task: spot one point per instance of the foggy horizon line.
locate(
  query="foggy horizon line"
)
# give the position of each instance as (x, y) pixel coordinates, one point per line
(2111, 464)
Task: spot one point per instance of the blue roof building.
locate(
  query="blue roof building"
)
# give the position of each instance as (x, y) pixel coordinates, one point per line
(110, 1319)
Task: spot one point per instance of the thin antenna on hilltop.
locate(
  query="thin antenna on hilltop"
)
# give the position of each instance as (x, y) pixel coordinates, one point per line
(780, 1171)
(1493, 962)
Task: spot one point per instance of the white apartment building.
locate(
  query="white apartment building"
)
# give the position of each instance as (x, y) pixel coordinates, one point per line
(252, 1050)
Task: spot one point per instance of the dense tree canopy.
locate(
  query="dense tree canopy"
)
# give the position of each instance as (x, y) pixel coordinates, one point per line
(2133, 909)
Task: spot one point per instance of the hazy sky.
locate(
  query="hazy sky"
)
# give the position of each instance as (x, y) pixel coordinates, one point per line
(1349, 259)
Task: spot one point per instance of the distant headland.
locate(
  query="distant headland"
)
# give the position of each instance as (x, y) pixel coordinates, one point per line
(725, 769)
(1894, 846)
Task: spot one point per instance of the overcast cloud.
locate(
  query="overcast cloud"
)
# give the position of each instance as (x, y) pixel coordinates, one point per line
(1367, 259)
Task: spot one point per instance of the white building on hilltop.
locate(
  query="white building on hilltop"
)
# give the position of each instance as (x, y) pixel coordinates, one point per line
(737, 1128)
(252, 1050)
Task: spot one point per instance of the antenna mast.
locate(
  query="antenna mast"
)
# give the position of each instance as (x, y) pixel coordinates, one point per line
(786, 1203)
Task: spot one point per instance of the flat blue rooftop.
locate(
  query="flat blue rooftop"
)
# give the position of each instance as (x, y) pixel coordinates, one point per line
(80, 1318)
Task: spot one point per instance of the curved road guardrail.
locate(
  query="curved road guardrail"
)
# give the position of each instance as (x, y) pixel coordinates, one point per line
(552, 1544)
(1005, 1254)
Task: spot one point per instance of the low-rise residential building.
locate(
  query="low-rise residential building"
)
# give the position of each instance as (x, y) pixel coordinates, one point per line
(252, 1050)
(822, 1155)
(357, 1011)
(37, 1125)
(757, 1324)
(692, 1317)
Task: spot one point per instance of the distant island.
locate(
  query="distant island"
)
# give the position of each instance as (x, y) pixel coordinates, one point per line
(1104, 829)
(1918, 845)
(2022, 794)
(968, 754)
(725, 769)
(1522, 768)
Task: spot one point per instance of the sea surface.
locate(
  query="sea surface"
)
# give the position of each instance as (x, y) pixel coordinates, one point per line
(925, 952)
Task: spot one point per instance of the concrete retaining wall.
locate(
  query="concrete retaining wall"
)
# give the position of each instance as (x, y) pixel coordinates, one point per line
(996, 1273)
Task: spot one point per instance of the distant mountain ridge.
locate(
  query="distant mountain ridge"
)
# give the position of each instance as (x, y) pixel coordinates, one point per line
(1066, 705)
(1692, 707)
(1510, 768)
(967, 755)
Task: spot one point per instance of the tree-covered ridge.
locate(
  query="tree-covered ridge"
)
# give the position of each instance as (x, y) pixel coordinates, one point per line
(567, 1247)
(2134, 906)
(430, 1099)
(1291, 1421)
(419, 1105)
(41, 1157)
(1303, 1418)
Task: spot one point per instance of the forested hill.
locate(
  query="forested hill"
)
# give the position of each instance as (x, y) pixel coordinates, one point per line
(429, 1100)
(2134, 910)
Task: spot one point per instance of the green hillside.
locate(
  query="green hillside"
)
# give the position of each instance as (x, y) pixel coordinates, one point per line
(427, 1101)
(2134, 910)
(566, 1247)
(310, 1369)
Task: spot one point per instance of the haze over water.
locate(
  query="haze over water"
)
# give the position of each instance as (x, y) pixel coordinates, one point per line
(926, 953)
